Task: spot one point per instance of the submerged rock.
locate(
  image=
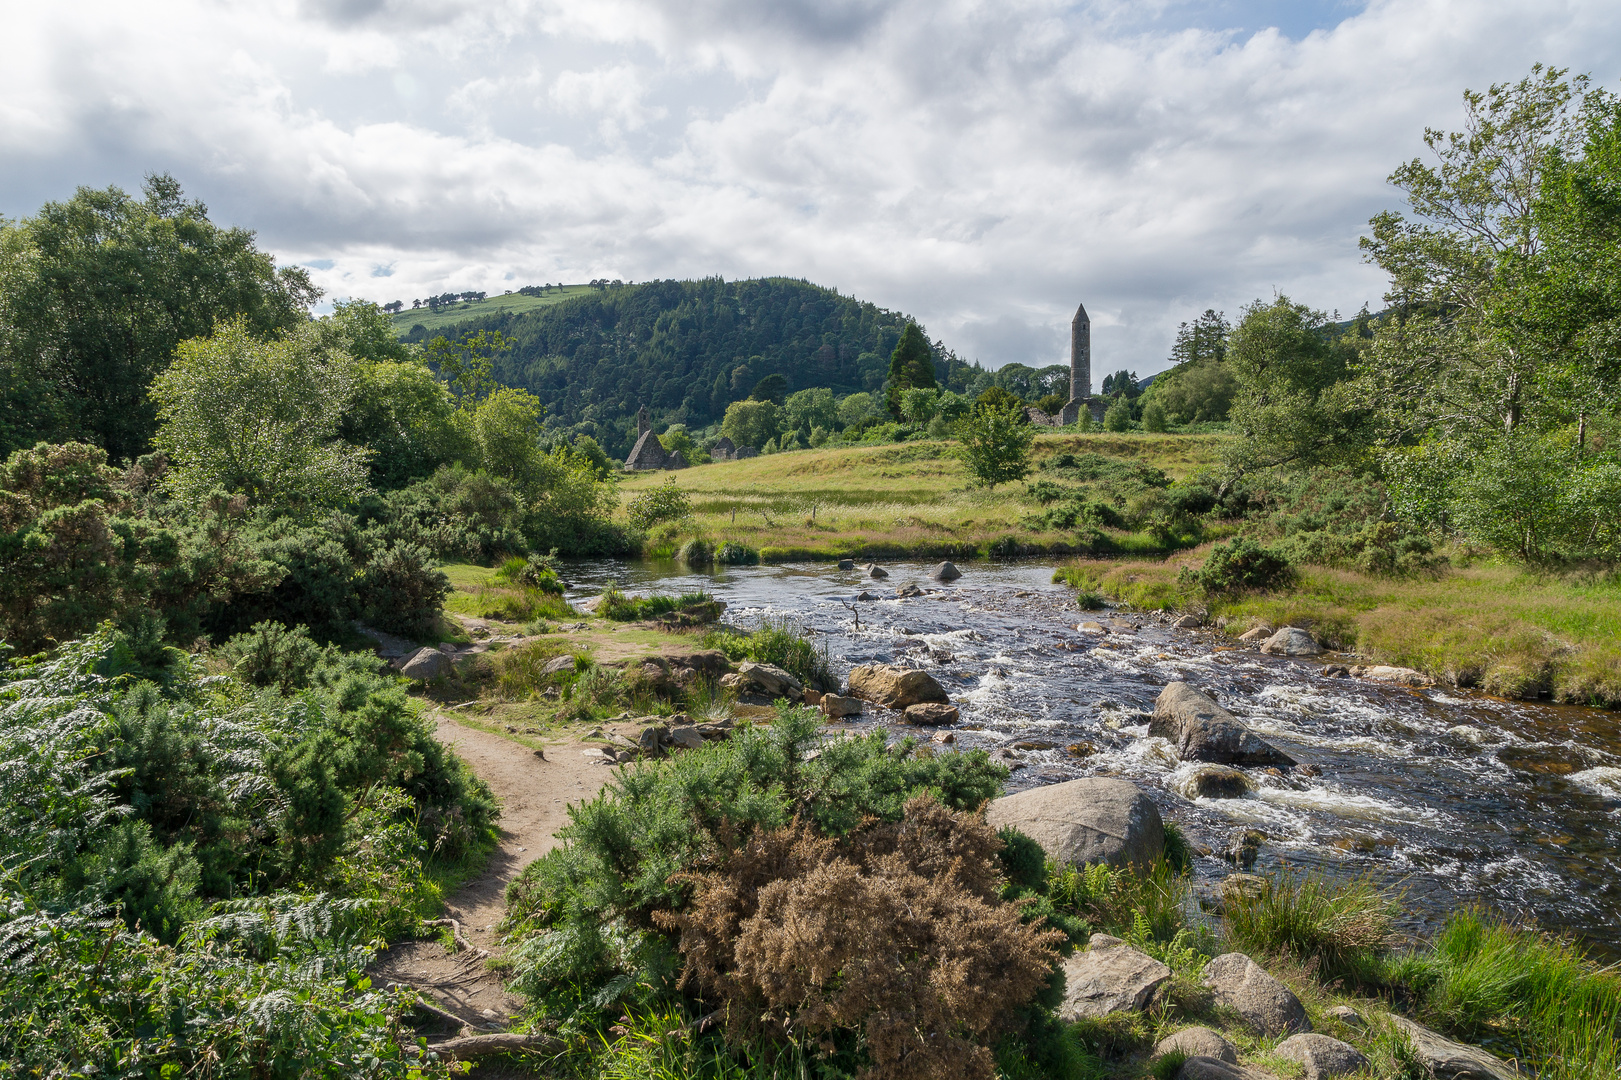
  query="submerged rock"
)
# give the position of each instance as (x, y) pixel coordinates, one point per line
(1094, 819)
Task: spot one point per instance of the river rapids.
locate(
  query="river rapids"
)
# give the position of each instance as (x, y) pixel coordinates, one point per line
(1448, 797)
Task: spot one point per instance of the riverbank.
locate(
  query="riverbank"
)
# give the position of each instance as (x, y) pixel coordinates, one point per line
(1508, 631)
(903, 500)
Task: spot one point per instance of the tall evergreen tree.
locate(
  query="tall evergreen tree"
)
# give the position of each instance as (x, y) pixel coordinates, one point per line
(910, 366)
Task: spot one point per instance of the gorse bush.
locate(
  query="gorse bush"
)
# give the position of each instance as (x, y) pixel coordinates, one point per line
(582, 915)
(1239, 565)
(896, 931)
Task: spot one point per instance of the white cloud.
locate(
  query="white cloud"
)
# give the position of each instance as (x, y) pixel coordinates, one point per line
(980, 165)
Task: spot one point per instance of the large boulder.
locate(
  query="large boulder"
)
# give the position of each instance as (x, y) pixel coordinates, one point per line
(558, 665)
(1108, 980)
(875, 571)
(893, 687)
(946, 571)
(1291, 641)
(1198, 1042)
(426, 664)
(1210, 1068)
(1266, 1005)
(1448, 1060)
(771, 678)
(1321, 1056)
(1204, 731)
(711, 662)
(1093, 819)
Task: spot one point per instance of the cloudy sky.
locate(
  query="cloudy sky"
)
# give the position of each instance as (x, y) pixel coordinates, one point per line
(981, 166)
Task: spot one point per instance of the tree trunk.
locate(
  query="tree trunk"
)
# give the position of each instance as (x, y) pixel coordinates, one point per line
(1581, 433)
(1512, 419)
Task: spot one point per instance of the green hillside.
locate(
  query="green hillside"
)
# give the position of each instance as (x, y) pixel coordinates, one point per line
(451, 315)
(684, 349)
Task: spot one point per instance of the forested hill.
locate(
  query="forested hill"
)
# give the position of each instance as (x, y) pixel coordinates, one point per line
(687, 349)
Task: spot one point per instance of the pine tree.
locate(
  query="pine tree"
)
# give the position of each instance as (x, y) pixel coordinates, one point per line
(910, 366)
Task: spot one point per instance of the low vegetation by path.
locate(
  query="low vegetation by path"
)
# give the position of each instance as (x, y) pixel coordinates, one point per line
(898, 500)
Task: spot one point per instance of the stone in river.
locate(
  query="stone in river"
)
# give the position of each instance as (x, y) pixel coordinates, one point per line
(1094, 819)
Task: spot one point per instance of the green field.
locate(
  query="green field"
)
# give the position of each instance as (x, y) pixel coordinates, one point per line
(493, 305)
(895, 499)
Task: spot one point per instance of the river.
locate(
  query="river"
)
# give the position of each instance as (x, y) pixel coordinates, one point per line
(1450, 797)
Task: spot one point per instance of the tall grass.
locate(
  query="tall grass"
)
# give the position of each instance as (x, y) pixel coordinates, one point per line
(1521, 993)
(1340, 927)
(621, 608)
(518, 669)
(779, 642)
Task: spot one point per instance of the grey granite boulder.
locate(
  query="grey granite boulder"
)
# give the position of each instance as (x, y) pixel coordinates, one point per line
(1198, 1042)
(426, 664)
(686, 737)
(1093, 819)
(1321, 1056)
(1201, 730)
(946, 571)
(875, 571)
(1108, 980)
(847, 564)
(1266, 1005)
(1347, 1016)
(1448, 1060)
(558, 665)
(1291, 641)
(771, 678)
(1209, 1068)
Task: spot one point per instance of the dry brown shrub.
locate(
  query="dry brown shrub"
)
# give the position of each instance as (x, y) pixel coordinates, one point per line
(897, 932)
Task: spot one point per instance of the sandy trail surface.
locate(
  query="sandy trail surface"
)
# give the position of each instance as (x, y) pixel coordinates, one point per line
(535, 793)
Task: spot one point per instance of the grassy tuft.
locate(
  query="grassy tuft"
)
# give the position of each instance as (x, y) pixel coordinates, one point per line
(1340, 926)
(779, 642)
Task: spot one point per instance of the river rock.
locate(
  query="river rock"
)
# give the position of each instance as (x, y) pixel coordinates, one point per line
(1266, 1005)
(1215, 782)
(837, 707)
(686, 738)
(1109, 980)
(876, 571)
(1209, 1068)
(1198, 1042)
(847, 564)
(652, 741)
(907, 592)
(771, 678)
(426, 664)
(931, 714)
(1347, 1016)
(896, 688)
(1188, 622)
(1405, 676)
(1291, 641)
(1448, 1060)
(946, 571)
(1093, 819)
(1091, 628)
(865, 595)
(558, 665)
(1204, 731)
(1321, 1056)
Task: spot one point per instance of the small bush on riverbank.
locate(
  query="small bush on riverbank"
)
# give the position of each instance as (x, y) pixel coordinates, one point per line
(779, 642)
(687, 609)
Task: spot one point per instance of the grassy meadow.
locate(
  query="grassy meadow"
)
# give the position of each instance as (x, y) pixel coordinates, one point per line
(452, 314)
(895, 500)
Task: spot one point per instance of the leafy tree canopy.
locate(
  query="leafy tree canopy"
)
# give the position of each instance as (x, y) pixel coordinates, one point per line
(97, 292)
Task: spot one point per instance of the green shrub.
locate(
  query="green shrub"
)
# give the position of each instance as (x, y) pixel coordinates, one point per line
(583, 912)
(401, 592)
(272, 655)
(1241, 565)
(535, 572)
(732, 553)
(518, 669)
(696, 553)
(1341, 926)
(667, 502)
(1117, 417)
(779, 642)
(686, 609)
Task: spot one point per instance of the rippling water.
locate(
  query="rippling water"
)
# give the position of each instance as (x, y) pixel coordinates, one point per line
(1456, 798)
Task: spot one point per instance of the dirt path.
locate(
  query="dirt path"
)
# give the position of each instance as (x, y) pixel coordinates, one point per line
(535, 794)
